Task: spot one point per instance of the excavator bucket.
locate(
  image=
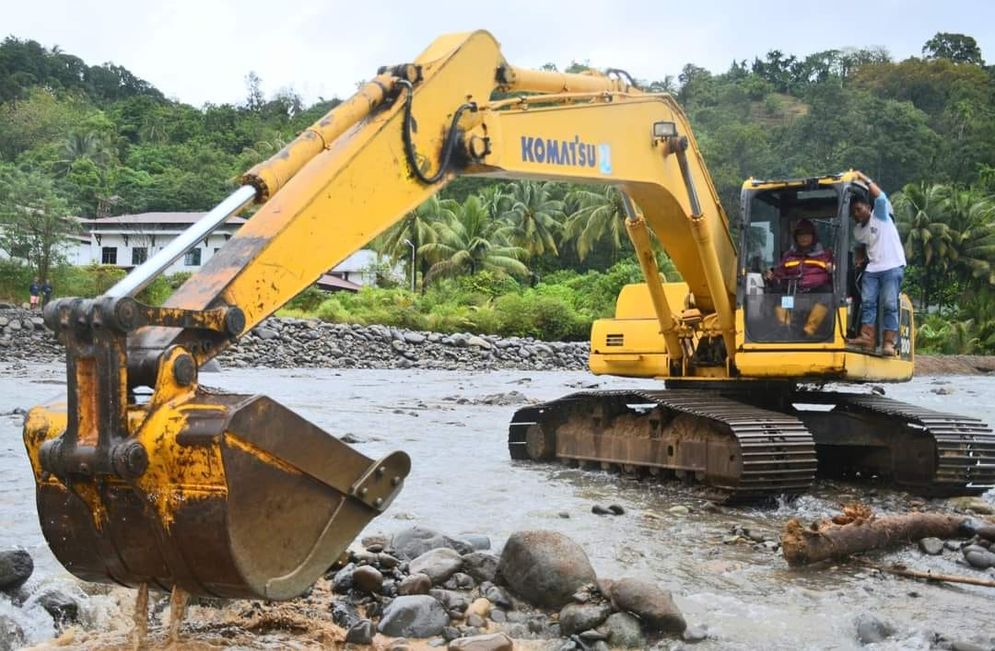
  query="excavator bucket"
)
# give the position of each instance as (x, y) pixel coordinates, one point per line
(240, 498)
(220, 494)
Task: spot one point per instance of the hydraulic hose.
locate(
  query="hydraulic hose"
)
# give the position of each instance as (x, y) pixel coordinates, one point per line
(448, 146)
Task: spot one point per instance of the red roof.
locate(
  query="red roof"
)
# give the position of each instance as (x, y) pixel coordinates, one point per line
(330, 282)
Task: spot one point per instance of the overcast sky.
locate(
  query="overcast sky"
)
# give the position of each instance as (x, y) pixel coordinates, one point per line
(200, 51)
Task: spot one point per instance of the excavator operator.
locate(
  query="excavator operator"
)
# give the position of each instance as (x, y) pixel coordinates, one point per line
(805, 268)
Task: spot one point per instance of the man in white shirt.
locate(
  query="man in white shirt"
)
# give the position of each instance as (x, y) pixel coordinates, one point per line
(874, 226)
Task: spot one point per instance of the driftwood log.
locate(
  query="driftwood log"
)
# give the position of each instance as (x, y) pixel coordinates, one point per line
(859, 530)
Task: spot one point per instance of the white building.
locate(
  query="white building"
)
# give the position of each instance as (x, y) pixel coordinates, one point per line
(128, 240)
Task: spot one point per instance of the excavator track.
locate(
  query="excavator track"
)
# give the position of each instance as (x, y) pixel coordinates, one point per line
(742, 452)
(928, 452)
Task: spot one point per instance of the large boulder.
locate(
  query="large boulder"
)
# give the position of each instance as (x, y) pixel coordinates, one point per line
(653, 605)
(413, 616)
(544, 567)
(437, 564)
(16, 567)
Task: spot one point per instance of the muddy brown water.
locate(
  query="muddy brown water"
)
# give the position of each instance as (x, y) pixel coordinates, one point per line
(462, 481)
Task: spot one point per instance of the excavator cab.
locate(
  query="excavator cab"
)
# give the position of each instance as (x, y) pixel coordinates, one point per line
(793, 235)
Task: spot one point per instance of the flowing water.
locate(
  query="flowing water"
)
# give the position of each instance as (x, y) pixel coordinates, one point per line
(462, 481)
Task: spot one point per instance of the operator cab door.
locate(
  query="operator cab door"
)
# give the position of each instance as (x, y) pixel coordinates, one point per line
(788, 308)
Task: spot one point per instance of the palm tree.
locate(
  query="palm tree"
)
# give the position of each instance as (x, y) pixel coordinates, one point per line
(469, 243)
(419, 228)
(972, 221)
(534, 218)
(80, 145)
(596, 221)
(924, 226)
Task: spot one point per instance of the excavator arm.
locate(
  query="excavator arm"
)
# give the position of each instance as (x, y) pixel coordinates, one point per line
(236, 496)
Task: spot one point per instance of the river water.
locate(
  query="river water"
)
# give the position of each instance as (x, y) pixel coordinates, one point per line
(462, 481)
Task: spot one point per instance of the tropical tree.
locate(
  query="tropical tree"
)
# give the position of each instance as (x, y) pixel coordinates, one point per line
(596, 221)
(469, 243)
(972, 220)
(534, 219)
(927, 234)
(419, 228)
(83, 145)
(34, 220)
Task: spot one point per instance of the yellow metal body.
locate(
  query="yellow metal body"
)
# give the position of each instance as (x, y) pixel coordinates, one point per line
(341, 183)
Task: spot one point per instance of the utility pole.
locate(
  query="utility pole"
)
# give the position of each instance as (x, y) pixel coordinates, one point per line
(409, 243)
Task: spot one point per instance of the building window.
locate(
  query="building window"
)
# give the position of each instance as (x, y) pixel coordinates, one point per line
(192, 258)
(139, 254)
(108, 255)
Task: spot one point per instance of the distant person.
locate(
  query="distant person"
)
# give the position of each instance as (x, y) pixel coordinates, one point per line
(46, 293)
(35, 292)
(882, 280)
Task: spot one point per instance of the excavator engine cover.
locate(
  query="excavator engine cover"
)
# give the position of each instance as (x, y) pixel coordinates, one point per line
(239, 497)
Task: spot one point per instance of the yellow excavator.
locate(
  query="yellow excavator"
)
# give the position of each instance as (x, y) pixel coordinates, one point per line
(144, 476)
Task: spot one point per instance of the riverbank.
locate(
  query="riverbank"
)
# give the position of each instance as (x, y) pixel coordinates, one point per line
(310, 343)
(721, 565)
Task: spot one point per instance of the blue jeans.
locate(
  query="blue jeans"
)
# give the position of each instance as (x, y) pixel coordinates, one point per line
(884, 286)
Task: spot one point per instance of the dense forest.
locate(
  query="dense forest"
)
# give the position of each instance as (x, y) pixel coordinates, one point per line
(79, 140)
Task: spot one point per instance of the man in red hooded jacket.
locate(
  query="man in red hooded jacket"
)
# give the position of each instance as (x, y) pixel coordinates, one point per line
(807, 267)
(806, 264)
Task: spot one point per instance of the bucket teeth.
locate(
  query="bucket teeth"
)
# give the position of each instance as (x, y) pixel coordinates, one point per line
(241, 498)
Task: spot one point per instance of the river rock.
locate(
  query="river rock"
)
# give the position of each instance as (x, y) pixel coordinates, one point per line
(481, 565)
(871, 630)
(981, 560)
(415, 584)
(344, 614)
(544, 567)
(489, 642)
(438, 564)
(453, 601)
(368, 579)
(623, 631)
(342, 581)
(63, 607)
(413, 616)
(16, 567)
(931, 546)
(653, 605)
(415, 541)
(575, 618)
(481, 606)
(11, 634)
(360, 633)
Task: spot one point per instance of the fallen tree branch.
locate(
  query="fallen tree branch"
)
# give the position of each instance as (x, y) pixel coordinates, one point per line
(859, 530)
(901, 570)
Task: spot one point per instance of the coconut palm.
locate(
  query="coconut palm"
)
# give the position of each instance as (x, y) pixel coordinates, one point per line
(972, 222)
(920, 213)
(83, 145)
(597, 221)
(469, 243)
(418, 228)
(534, 218)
